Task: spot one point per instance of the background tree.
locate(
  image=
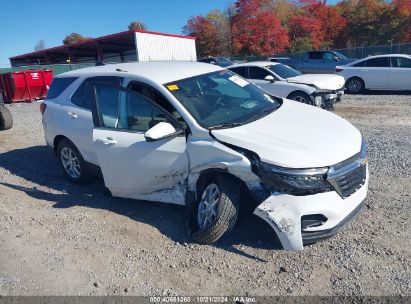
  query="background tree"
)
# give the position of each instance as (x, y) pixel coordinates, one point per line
(205, 33)
(74, 37)
(137, 25)
(257, 30)
(41, 45)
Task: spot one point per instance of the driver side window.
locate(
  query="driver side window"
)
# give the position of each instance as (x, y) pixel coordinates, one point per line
(121, 109)
(257, 73)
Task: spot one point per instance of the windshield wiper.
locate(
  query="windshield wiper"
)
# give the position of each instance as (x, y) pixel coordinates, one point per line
(226, 125)
(263, 113)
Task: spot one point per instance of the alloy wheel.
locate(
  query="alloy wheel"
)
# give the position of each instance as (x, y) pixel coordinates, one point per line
(70, 162)
(208, 206)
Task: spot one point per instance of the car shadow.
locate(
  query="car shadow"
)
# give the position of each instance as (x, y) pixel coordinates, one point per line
(39, 165)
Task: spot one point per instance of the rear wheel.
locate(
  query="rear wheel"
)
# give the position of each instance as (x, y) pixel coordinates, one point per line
(6, 120)
(355, 85)
(72, 162)
(216, 210)
(301, 97)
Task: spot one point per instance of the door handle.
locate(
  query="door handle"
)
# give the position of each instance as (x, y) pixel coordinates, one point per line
(72, 115)
(107, 141)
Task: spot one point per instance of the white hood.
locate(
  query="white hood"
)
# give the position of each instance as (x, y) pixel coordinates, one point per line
(296, 136)
(321, 81)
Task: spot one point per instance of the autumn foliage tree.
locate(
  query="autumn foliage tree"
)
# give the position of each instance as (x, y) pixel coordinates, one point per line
(205, 33)
(257, 30)
(137, 25)
(266, 27)
(74, 37)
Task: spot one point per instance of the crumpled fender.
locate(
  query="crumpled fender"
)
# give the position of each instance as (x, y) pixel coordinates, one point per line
(284, 222)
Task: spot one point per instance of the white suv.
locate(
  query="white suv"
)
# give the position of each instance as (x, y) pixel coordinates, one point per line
(199, 135)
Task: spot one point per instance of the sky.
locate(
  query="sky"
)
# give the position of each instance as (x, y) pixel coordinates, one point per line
(24, 22)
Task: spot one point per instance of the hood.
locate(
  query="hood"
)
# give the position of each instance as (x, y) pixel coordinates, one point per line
(321, 81)
(296, 136)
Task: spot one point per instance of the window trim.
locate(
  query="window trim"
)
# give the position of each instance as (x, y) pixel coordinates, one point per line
(86, 81)
(97, 118)
(74, 79)
(131, 82)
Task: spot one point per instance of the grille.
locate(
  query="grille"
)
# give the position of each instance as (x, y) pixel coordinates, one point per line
(349, 176)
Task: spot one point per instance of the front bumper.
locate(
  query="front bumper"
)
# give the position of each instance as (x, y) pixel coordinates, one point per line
(284, 214)
(328, 99)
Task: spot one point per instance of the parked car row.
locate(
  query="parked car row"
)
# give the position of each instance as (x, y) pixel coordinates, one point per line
(383, 72)
(202, 136)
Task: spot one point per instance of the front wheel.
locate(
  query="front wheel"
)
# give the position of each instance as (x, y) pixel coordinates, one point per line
(216, 210)
(355, 85)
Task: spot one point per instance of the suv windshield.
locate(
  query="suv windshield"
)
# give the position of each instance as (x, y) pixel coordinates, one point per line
(222, 99)
(284, 71)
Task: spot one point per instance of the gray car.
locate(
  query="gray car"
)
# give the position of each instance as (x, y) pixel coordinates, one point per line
(316, 62)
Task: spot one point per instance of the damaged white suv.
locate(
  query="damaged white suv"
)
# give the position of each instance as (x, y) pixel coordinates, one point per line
(198, 135)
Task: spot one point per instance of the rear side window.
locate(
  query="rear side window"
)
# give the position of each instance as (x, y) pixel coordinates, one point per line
(58, 86)
(382, 62)
(82, 99)
(242, 71)
(315, 55)
(401, 62)
(359, 64)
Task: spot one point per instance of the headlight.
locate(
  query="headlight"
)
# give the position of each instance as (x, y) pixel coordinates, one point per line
(364, 159)
(293, 181)
(318, 100)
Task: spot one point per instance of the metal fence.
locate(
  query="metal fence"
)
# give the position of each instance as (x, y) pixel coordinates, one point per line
(356, 52)
(57, 68)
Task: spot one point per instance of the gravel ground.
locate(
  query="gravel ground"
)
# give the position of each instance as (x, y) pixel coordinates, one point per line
(57, 238)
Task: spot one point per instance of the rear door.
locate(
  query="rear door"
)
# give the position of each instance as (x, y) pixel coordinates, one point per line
(77, 120)
(376, 73)
(400, 75)
(133, 167)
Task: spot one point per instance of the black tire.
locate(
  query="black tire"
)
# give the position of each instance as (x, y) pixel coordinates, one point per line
(6, 120)
(227, 211)
(301, 97)
(355, 85)
(84, 175)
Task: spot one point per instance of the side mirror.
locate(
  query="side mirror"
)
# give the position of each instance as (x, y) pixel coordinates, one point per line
(269, 78)
(160, 131)
(336, 58)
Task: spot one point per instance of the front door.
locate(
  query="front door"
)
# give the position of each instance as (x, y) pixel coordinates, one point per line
(133, 167)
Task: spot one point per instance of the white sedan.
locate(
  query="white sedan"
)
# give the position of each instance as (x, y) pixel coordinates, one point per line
(321, 90)
(385, 72)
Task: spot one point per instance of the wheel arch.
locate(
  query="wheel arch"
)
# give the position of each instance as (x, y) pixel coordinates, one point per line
(57, 140)
(246, 194)
(297, 92)
(357, 77)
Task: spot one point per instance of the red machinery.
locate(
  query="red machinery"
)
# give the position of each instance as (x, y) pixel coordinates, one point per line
(25, 85)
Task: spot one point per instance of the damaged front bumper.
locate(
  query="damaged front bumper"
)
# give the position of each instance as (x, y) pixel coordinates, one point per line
(326, 99)
(286, 213)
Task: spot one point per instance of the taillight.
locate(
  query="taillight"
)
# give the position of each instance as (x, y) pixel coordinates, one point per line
(338, 70)
(43, 107)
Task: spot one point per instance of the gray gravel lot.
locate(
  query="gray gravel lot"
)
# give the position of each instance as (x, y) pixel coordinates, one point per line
(57, 238)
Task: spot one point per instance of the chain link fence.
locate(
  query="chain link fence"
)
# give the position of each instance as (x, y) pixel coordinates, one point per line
(356, 52)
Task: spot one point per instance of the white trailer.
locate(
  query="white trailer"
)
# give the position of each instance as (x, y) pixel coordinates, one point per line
(151, 46)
